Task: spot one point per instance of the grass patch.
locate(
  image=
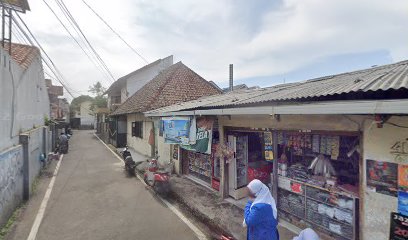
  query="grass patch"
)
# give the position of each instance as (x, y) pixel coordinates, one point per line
(6, 229)
(36, 182)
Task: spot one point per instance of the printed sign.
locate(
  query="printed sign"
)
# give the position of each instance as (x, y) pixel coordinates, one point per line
(403, 177)
(398, 227)
(203, 136)
(403, 203)
(176, 130)
(382, 177)
(268, 146)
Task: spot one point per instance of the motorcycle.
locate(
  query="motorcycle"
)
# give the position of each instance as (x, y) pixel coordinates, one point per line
(158, 177)
(130, 165)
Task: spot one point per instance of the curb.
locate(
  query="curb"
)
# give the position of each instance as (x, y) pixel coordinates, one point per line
(215, 226)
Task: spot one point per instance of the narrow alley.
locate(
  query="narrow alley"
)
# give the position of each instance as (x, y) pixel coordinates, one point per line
(93, 199)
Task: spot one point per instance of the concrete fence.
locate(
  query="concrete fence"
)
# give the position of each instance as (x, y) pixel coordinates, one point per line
(19, 167)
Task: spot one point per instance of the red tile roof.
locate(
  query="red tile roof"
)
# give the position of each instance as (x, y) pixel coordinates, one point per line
(22, 54)
(176, 84)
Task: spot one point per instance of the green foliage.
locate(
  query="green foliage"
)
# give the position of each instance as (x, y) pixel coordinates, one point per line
(7, 227)
(97, 89)
(76, 102)
(99, 101)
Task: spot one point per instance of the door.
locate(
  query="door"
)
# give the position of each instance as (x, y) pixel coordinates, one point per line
(241, 161)
(232, 180)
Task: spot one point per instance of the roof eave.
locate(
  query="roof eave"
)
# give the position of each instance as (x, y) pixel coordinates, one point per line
(399, 106)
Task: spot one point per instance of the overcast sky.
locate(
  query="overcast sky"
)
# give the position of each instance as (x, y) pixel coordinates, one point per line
(268, 42)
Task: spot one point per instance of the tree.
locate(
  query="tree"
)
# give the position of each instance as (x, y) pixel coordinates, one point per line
(76, 102)
(97, 89)
(99, 101)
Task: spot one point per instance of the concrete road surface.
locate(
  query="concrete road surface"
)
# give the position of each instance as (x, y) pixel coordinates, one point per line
(93, 199)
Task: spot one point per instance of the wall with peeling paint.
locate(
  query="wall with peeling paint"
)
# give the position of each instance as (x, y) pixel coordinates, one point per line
(11, 181)
(376, 207)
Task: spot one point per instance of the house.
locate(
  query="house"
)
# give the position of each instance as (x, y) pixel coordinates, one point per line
(127, 85)
(24, 101)
(178, 83)
(239, 87)
(120, 90)
(24, 107)
(84, 117)
(59, 106)
(354, 124)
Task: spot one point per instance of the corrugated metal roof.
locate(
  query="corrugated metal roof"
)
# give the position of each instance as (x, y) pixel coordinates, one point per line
(381, 78)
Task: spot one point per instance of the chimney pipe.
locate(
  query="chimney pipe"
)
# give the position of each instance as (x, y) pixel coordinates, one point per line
(231, 77)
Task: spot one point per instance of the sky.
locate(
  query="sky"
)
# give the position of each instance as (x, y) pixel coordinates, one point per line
(269, 42)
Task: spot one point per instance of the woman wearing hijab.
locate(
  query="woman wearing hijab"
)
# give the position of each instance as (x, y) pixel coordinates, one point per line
(260, 215)
(307, 234)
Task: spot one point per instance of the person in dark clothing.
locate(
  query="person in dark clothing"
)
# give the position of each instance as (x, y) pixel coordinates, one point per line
(63, 143)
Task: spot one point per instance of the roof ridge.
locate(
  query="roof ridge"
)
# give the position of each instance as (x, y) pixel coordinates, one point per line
(179, 64)
(170, 68)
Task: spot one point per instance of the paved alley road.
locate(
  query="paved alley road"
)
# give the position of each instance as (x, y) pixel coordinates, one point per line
(93, 199)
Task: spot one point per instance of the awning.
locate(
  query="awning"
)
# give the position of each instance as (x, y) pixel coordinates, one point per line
(305, 108)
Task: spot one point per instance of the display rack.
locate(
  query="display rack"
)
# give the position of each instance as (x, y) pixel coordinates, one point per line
(333, 211)
(200, 165)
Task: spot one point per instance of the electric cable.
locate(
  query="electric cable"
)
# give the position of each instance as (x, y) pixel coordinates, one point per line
(87, 41)
(115, 32)
(58, 76)
(76, 41)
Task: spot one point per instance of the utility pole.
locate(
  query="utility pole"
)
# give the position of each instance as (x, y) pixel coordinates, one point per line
(7, 8)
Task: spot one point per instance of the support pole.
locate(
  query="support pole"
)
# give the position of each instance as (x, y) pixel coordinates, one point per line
(24, 140)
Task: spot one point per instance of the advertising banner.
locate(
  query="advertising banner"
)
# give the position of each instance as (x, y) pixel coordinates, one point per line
(176, 130)
(203, 136)
(382, 177)
(398, 227)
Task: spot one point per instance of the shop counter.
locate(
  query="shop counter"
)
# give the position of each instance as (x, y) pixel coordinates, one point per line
(333, 211)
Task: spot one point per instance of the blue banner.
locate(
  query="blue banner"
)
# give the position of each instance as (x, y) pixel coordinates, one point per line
(176, 130)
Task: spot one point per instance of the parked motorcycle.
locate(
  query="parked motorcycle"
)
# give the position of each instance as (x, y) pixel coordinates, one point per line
(158, 177)
(130, 165)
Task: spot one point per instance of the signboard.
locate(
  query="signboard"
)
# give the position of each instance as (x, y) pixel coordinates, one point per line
(17, 5)
(268, 146)
(382, 177)
(203, 136)
(176, 130)
(398, 227)
(403, 177)
(403, 203)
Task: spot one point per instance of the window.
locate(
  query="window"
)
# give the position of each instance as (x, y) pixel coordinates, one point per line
(115, 99)
(137, 129)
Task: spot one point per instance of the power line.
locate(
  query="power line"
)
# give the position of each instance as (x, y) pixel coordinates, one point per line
(67, 30)
(87, 41)
(117, 34)
(55, 70)
(99, 64)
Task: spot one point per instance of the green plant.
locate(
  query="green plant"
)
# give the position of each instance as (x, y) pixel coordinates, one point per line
(7, 227)
(47, 120)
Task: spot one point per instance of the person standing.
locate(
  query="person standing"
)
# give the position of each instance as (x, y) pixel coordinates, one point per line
(260, 215)
(63, 143)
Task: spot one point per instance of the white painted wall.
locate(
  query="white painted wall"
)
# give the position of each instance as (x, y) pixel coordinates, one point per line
(24, 101)
(140, 78)
(163, 149)
(85, 114)
(377, 146)
(141, 145)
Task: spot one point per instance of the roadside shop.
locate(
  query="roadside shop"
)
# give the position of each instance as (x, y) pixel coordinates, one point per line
(316, 173)
(197, 139)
